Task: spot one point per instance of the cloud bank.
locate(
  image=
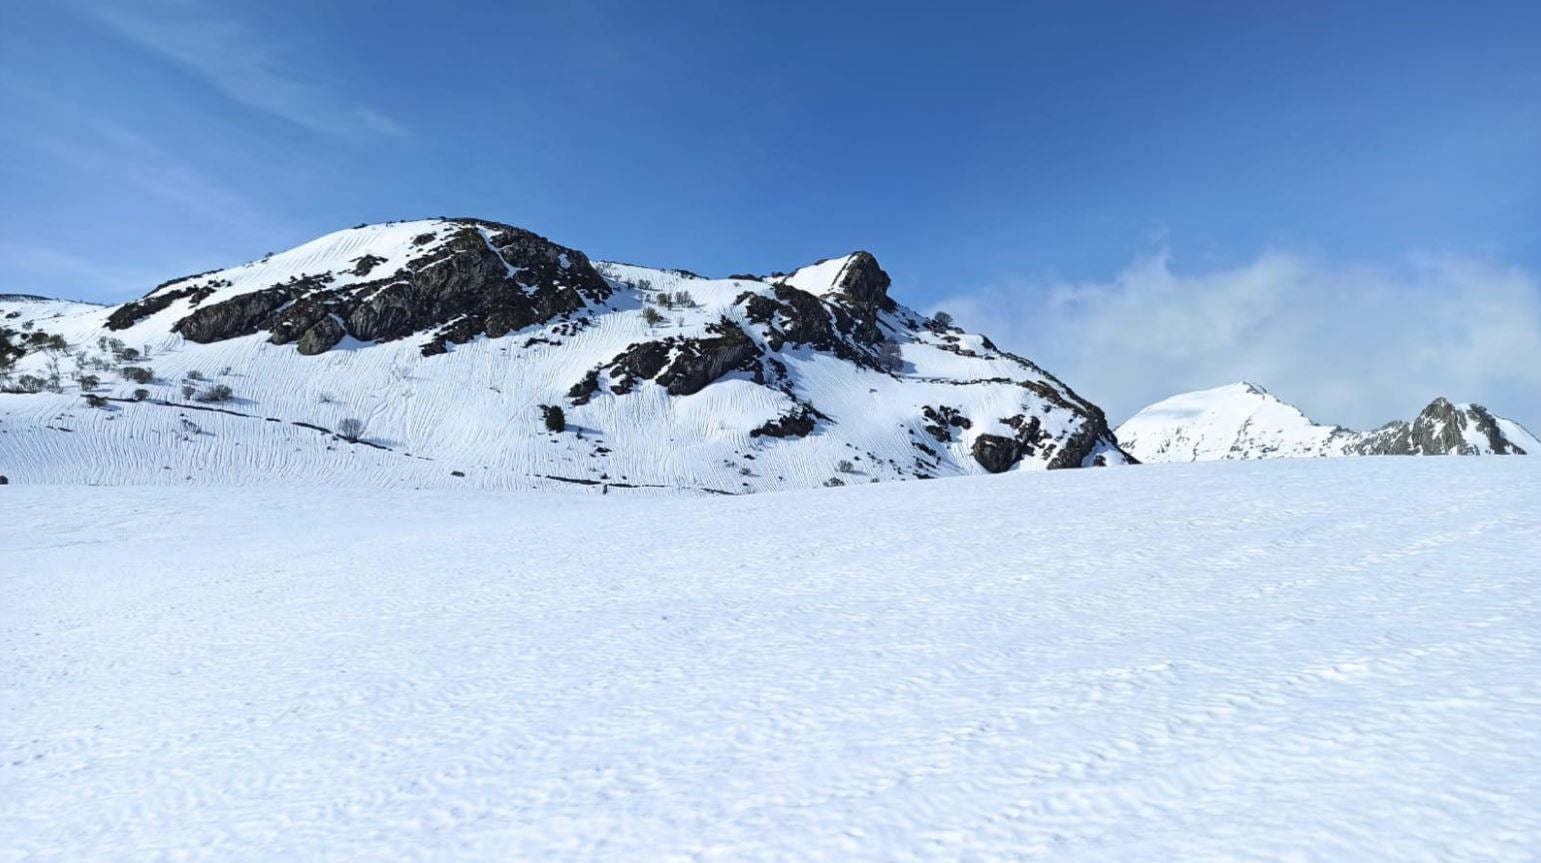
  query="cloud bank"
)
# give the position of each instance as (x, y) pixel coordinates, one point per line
(1349, 344)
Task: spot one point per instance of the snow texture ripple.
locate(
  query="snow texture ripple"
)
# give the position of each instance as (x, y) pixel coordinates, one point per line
(1282, 660)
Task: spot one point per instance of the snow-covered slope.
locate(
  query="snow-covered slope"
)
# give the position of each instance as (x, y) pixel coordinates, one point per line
(450, 340)
(1245, 421)
(1268, 661)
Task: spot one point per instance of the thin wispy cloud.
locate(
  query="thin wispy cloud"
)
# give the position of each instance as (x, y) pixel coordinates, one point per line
(84, 141)
(234, 59)
(1355, 345)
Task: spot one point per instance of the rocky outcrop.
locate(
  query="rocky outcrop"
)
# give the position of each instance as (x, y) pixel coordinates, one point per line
(862, 289)
(995, 453)
(797, 424)
(942, 419)
(699, 362)
(682, 366)
(863, 285)
(1439, 429)
(237, 316)
(321, 337)
(793, 317)
(640, 362)
(128, 314)
(484, 278)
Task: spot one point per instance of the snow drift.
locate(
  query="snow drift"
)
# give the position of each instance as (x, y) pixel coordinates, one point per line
(1265, 661)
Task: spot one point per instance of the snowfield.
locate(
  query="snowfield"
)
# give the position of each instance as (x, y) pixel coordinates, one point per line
(1281, 660)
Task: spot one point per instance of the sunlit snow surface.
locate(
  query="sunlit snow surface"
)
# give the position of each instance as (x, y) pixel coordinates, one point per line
(1286, 660)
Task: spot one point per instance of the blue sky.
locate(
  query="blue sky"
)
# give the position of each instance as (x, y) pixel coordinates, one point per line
(1039, 167)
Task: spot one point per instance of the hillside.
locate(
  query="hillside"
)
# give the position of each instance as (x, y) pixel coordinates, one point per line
(1269, 661)
(449, 342)
(1245, 421)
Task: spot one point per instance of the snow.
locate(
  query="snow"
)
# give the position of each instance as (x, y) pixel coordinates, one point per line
(821, 278)
(1519, 436)
(477, 410)
(1236, 421)
(1279, 660)
(1244, 421)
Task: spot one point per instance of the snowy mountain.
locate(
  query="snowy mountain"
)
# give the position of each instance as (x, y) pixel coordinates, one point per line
(459, 351)
(1245, 421)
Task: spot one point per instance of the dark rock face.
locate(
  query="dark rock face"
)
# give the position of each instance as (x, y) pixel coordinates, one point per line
(132, 313)
(237, 316)
(996, 454)
(581, 392)
(799, 424)
(941, 420)
(682, 366)
(640, 362)
(485, 278)
(468, 280)
(864, 285)
(699, 362)
(1487, 425)
(1075, 448)
(1439, 429)
(363, 265)
(796, 317)
(321, 337)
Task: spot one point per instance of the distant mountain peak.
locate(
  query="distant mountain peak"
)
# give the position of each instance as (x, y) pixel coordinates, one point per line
(1244, 421)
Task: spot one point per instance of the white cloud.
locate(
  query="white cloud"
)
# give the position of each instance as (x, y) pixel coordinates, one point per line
(1356, 345)
(234, 60)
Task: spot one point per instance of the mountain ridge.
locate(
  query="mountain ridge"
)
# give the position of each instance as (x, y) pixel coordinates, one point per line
(1243, 420)
(451, 340)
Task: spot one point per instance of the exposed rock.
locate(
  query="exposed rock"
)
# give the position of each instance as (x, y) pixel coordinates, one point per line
(365, 264)
(128, 314)
(1077, 446)
(864, 285)
(484, 278)
(682, 366)
(942, 419)
(321, 337)
(640, 362)
(237, 316)
(995, 453)
(798, 424)
(796, 317)
(1439, 429)
(699, 362)
(583, 390)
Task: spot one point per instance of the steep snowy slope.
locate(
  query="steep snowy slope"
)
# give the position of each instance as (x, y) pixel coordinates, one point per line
(1265, 661)
(450, 341)
(1245, 421)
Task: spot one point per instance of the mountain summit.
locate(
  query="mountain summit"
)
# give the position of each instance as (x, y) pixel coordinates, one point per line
(464, 351)
(1245, 421)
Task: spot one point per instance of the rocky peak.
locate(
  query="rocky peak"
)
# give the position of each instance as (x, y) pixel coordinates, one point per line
(1242, 420)
(459, 278)
(863, 284)
(1446, 428)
